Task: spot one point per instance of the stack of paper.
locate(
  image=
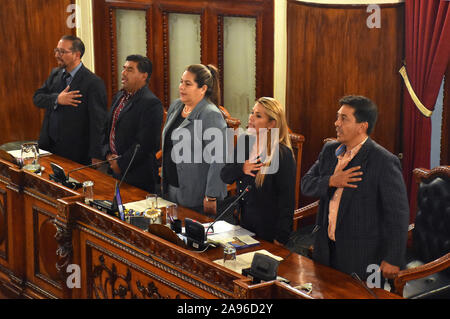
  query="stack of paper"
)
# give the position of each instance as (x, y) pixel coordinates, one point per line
(140, 206)
(18, 153)
(225, 233)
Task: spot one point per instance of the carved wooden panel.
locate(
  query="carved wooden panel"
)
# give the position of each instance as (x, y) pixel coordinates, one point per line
(45, 246)
(3, 225)
(166, 257)
(111, 276)
(43, 189)
(4, 171)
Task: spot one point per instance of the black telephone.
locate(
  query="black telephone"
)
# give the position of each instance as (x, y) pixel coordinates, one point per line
(59, 176)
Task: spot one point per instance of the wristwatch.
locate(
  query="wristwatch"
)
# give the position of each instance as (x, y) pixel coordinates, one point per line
(210, 199)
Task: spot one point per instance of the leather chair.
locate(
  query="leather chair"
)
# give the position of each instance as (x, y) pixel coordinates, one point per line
(427, 274)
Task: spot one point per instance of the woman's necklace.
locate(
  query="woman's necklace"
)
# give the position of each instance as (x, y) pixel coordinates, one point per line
(186, 112)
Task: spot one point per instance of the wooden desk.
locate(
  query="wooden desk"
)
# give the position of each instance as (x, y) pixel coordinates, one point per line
(48, 236)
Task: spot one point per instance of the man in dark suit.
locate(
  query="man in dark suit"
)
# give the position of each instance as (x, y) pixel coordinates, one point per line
(363, 213)
(135, 119)
(74, 100)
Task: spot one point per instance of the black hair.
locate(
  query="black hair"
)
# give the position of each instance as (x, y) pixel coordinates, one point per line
(207, 75)
(365, 110)
(77, 44)
(144, 64)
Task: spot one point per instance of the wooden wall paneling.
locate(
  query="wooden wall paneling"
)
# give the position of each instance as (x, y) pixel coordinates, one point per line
(14, 265)
(103, 54)
(40, 209)
(33, 29)
(332, 53)
(3, 224)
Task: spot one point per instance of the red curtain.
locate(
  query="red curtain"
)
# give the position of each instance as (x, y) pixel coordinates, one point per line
(427, 53)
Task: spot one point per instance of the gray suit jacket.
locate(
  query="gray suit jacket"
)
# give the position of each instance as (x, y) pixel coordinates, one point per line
(372, 221)
(197, 174)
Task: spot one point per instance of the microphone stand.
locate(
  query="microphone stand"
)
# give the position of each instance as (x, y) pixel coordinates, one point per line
(246, 190)
(91, 165)
(117, 190)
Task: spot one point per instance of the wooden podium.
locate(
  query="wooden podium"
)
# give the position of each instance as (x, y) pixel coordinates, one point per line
(52, 245)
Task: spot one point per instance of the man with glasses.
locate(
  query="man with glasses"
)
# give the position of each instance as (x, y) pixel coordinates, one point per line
(75, 102)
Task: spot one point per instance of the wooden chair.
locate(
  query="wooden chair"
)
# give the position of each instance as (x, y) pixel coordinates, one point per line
(297, 141)
(311, 209)
(233, 123)
(428, 274)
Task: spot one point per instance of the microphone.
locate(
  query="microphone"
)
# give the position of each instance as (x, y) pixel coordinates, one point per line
(116, 205)
(136, 148)
(246, 190)
(59, 175)
(195, 232)
(117, 199)
(91, 165)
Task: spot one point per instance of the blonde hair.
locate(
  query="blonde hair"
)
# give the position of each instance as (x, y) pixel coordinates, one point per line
(275, 112)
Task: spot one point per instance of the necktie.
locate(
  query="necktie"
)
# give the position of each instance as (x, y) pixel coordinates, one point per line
(65, 80)
(112, 135)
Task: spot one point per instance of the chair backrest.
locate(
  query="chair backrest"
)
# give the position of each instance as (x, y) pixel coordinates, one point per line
(232, 122)
(431, 235)
(297, 141)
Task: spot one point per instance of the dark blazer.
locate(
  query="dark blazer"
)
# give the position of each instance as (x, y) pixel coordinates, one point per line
(268, 211)
(139, 122)
(372, 221)
(79, 128)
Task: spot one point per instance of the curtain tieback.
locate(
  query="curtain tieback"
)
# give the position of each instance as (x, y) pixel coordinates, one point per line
(426, 112)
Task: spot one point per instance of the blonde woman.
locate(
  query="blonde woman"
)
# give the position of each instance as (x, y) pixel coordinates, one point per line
(269, 167)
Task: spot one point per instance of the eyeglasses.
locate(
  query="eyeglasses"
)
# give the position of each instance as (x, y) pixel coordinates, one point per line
(61, 51)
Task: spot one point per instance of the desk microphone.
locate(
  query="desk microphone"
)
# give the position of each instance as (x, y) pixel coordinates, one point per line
(136, 148)
(246, 190)
(91, 165)
(195, 232)
(116, 205)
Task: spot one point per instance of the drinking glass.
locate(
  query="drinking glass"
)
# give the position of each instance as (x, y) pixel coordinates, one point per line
(88, 191)
(229, 256)
(30, 157)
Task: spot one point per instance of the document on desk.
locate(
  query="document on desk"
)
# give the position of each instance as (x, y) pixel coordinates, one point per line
(225, 232)
(141, 205)
(245, 260)
(18, 153)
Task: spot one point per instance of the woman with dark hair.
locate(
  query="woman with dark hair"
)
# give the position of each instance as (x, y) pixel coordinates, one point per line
(190, 169)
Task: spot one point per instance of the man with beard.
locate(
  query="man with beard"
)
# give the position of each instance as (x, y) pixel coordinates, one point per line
(74, 100)
(135, 119)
